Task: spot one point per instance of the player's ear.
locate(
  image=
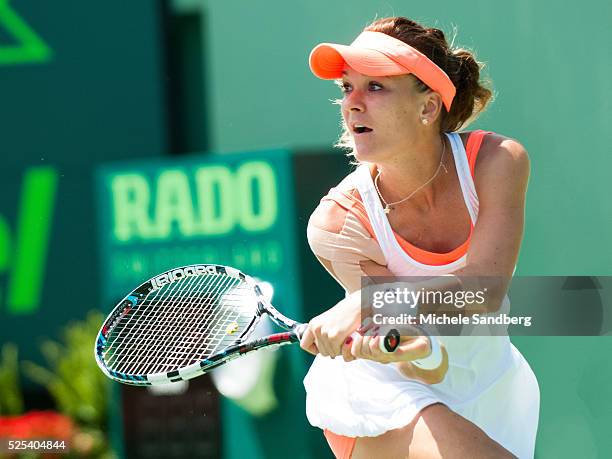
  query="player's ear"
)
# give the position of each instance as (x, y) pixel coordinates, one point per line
(431, 107)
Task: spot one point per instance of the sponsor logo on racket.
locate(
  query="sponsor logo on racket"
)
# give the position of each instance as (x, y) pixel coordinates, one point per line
(179, 273)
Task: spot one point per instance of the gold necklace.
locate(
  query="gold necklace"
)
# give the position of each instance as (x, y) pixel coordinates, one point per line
(390, 205)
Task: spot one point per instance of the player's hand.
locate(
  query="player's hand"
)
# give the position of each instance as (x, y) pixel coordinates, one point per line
(367, 345)
(327, 332)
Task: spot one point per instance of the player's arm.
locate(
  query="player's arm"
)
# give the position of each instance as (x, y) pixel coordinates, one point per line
(340, 250)
(348, 253)
(501, 178)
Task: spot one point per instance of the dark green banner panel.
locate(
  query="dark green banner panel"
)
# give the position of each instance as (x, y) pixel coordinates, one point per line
(48, 266)
(81, 81)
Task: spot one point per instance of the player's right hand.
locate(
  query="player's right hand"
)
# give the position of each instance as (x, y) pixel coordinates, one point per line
(327, 332)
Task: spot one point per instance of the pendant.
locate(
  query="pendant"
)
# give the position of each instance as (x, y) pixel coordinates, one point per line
(387, 209)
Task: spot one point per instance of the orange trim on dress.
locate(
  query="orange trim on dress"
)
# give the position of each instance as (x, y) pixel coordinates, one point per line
(473, 147)
(341, 446)
(350, 201)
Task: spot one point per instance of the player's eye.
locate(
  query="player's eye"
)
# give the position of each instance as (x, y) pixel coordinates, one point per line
(344, 86)
(374, 86)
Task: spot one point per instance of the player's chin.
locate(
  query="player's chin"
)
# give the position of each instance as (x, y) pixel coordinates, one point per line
(365, 152)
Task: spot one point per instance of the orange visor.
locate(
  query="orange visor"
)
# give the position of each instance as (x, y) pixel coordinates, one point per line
(378, 54)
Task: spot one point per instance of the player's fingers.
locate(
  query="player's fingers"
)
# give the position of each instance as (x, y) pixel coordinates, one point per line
(415, 348)
(365, 351)
(324, 349)
(332, 341)
(322, 342)
(356, 346)
(346, 349)
(308, 342)
(375, 346)
(366, 326)
(315, 329)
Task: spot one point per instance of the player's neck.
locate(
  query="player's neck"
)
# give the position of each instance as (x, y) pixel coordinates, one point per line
(402, 175)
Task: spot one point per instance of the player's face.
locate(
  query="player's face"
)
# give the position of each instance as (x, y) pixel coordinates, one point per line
(382, 114)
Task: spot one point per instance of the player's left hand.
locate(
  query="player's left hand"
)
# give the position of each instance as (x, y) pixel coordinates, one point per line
(367, 345)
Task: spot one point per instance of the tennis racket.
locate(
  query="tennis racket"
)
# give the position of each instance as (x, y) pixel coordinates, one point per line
(185, 322)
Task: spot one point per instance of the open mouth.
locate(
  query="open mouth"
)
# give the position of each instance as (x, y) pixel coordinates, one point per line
(360, 129)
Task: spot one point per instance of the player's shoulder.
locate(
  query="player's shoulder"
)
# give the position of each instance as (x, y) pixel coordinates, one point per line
(500, 154)
(496, 145)
(329, 216)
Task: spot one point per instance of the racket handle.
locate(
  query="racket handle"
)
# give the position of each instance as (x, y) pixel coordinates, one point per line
(387, 344)
(390, 342)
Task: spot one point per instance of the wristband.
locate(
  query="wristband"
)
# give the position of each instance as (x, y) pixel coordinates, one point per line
(434, 359)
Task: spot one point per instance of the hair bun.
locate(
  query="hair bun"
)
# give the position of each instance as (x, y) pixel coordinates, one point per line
(459, 64)
(468, 68)
(437, 33)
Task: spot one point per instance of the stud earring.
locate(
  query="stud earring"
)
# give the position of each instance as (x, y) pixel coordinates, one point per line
(425, 121)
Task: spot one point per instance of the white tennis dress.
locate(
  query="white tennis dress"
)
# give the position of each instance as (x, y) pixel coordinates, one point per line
(488, 382)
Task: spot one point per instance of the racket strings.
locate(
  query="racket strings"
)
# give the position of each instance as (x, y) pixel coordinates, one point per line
(181, 324)
(129, 338)
(224, 322)
(160, 328)
(176, 348)
(148, 346)
(139, 345)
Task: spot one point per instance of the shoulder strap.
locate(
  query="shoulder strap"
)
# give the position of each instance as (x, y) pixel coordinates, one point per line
(473, 147)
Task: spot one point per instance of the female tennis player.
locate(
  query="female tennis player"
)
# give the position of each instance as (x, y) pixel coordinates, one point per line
(426, 200)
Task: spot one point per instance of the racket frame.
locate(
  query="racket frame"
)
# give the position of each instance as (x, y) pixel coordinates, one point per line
(238, 348)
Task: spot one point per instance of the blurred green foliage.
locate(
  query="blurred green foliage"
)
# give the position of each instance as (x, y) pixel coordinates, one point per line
(80, 390)
(11, 399)
(73, 379)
